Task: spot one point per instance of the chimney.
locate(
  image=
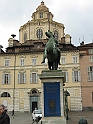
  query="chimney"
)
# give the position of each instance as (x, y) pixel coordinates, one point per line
(67, 39)
(11, 40)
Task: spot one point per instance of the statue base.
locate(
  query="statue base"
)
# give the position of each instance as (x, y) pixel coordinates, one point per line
(53, 120)
(52, 102)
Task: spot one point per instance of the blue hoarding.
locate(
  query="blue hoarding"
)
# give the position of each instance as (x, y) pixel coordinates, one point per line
(52, 99)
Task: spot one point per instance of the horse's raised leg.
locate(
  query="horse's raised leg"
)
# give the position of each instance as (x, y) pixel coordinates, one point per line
(44, 56)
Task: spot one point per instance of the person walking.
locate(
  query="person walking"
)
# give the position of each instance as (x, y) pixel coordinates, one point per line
(4, 118)
(13, 113)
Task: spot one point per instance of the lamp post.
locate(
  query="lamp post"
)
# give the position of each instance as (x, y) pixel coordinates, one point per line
(14, 87)
(13, 36)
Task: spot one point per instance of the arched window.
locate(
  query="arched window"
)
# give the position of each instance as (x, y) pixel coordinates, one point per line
(5, 94)
(39, 34)
(25, 37)
(56, 35)
(41, 14)
(34, 92)
(48, 16)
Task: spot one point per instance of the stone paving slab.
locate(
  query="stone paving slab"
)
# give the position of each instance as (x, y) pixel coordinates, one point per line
(21, 118)
(74, 117)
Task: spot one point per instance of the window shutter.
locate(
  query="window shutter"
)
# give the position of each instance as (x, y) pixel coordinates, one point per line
(30, 77)
(21, 62)
(36, 78)
(3, 75)
(24, 77)
(66, 76)
(9, 78)
(73, 79)
(73, 60)
(90, 59)
(88, 69)
(79, 76)
(19, 78)
(89, 75)
(92, 73)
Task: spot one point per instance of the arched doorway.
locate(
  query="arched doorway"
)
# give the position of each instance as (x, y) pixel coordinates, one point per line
(34, 99)
(5, 98)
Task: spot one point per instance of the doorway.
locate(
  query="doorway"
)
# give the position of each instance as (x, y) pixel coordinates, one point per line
(34, 105)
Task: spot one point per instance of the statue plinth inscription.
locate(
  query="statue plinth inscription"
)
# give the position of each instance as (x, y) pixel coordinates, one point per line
(52, 99)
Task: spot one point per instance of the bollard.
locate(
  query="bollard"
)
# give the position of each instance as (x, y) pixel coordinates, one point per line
(83, 121)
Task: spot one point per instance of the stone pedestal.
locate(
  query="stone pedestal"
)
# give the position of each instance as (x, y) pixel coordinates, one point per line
(52, 102)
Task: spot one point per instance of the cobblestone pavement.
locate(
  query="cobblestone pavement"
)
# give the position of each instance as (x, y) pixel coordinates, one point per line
(74, 117)
(20, 118)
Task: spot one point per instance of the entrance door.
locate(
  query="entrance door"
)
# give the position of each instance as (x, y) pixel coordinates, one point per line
(34, 105)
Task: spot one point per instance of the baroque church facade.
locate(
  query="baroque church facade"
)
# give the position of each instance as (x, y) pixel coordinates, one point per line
(20, 87)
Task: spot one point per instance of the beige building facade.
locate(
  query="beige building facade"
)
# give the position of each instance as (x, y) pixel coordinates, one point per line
(20, 87)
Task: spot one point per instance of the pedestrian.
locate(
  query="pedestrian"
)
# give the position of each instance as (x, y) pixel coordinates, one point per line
(13, 113)
(4, 118)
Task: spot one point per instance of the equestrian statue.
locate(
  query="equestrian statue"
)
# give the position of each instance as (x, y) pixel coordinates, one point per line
(51, 52)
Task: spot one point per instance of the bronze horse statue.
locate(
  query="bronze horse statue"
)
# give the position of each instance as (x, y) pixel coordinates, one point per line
(52, 52)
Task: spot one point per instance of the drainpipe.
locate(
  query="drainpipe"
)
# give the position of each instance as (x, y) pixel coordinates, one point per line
(14, 84)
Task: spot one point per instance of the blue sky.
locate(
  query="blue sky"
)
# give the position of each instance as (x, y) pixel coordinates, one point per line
(76, 15)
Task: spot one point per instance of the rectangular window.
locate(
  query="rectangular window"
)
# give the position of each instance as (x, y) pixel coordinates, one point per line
(91, 58)
(41, 14)
(92, 96)
(22, 61)
(22, 78)
(6, 62)
(90, 73)
(33, 77)
(90, 51)
(76, 76)
(74, 59)
(33, 61)
(6, 79)
(48, 16)
(66, 75)
(63, 61)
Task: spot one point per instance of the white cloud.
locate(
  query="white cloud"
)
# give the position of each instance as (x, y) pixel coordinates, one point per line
(76, 15)
(24, 17)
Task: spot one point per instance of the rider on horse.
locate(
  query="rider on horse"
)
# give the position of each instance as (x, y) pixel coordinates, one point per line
(52, 52)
